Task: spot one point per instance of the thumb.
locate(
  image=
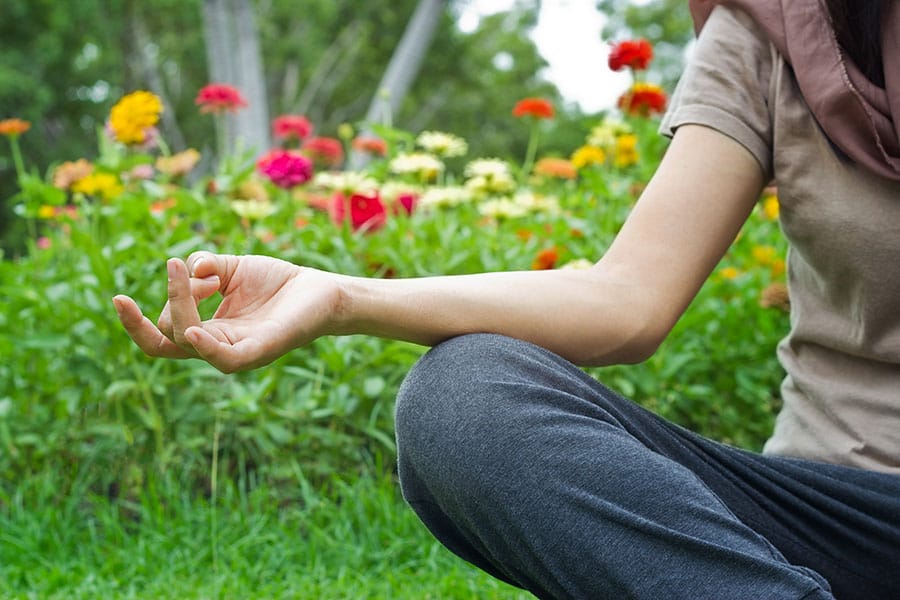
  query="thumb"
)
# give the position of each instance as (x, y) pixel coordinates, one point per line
(206, 264)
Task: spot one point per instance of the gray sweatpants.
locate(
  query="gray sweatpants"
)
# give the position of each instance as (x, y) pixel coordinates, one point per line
(527, 467)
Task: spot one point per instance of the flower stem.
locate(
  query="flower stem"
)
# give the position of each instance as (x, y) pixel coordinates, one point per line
(530, 153)
(17, 156)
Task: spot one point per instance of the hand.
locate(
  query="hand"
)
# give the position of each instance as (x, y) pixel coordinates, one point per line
(268, 308)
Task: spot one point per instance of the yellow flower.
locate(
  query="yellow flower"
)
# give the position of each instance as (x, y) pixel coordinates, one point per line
(729, 273)
(764, 255)
(104, 185)
(626, 151)
(46, 212)
(588, 155)
(133, 115)
(178, 164)
(770, 207)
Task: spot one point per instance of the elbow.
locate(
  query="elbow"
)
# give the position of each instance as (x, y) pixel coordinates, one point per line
(633, 340)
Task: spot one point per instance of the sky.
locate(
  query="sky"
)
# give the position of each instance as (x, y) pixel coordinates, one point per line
(568, 37)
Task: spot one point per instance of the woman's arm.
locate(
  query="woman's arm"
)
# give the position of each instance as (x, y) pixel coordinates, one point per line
(618, 311)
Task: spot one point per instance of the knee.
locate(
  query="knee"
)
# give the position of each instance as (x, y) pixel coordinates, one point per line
(451, 405)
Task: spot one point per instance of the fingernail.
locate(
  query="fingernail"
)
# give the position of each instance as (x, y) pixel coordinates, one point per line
(170, 269)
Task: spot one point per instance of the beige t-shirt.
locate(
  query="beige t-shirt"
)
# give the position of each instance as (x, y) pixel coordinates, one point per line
(842, 355)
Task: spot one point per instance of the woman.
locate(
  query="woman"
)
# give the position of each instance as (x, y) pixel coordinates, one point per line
(528, 468)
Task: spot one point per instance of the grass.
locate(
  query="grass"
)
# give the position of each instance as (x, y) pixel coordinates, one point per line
(356, 540)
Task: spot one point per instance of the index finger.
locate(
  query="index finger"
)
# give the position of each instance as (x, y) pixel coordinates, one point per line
(182, 307)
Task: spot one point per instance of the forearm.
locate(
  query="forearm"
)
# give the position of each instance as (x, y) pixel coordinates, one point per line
(583, 315)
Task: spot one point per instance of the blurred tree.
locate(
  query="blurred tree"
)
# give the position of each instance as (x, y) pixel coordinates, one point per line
(665, 23)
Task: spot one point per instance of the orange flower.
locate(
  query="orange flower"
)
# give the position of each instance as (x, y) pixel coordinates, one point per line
(69, 172)
(634, 54)
(370, 145)
(218, 98)
(14, 127)
(555, 167)
(538, 108)
(545, 259)
(643, 99)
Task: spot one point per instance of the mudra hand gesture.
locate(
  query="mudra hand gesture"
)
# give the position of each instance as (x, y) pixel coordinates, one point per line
(268, 308)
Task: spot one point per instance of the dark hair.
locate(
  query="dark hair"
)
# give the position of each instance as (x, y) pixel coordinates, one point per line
(857, 24)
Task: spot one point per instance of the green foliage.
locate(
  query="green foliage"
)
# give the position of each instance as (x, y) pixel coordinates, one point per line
(75, 391)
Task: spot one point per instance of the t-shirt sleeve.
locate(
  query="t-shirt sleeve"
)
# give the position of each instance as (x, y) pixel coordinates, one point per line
(726, 83)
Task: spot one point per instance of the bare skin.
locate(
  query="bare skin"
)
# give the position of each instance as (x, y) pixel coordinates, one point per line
(618, 311)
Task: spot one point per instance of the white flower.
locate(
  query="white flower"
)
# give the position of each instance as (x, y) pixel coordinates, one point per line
(346, 182)
(425, 166)
(252, 209)
(442, 144)
(578, 263)
(536, 202)
(435, 197)
(488, 167)
(605, 134)
(501, 207)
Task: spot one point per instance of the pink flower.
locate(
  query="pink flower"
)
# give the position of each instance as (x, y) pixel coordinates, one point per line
(285, 168)
(218, 98)
(406, 202)
(325, 150)
(366, 212)
(291, 127)
(44, 243)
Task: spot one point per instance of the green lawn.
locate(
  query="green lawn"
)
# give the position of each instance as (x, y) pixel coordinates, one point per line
(358, 540)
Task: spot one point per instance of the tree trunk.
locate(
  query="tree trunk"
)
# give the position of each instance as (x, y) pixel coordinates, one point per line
(233, 57)
(402, 69)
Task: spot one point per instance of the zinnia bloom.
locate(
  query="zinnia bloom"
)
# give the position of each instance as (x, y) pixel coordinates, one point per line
(634, 54)
(325, 150)
(555, 167)
(285, 168)
(588, 155)
(370, 145)
(538, 108)
(643, 99)
(545, 259)
(218, 98)
(133, 118)
(291, 127)
(770, 207)
(365, 211)
(425, 166)
(626, 151)
(178, 164)
(69, 172)
(104, 185)
(14, 127)
(442, 144)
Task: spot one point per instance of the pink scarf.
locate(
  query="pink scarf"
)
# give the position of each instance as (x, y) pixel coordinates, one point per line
(860, 118)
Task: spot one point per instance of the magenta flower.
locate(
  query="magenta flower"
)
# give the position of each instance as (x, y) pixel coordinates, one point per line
(285, 168)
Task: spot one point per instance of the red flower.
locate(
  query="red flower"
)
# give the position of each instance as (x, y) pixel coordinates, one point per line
(405, 202)
(325, 150)
(643, 99)
(218, 98)
(291, 127)
(634, 54)
(370, 145)
(285, 168)
(535, 107)
(366, 212)
(545, 259)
